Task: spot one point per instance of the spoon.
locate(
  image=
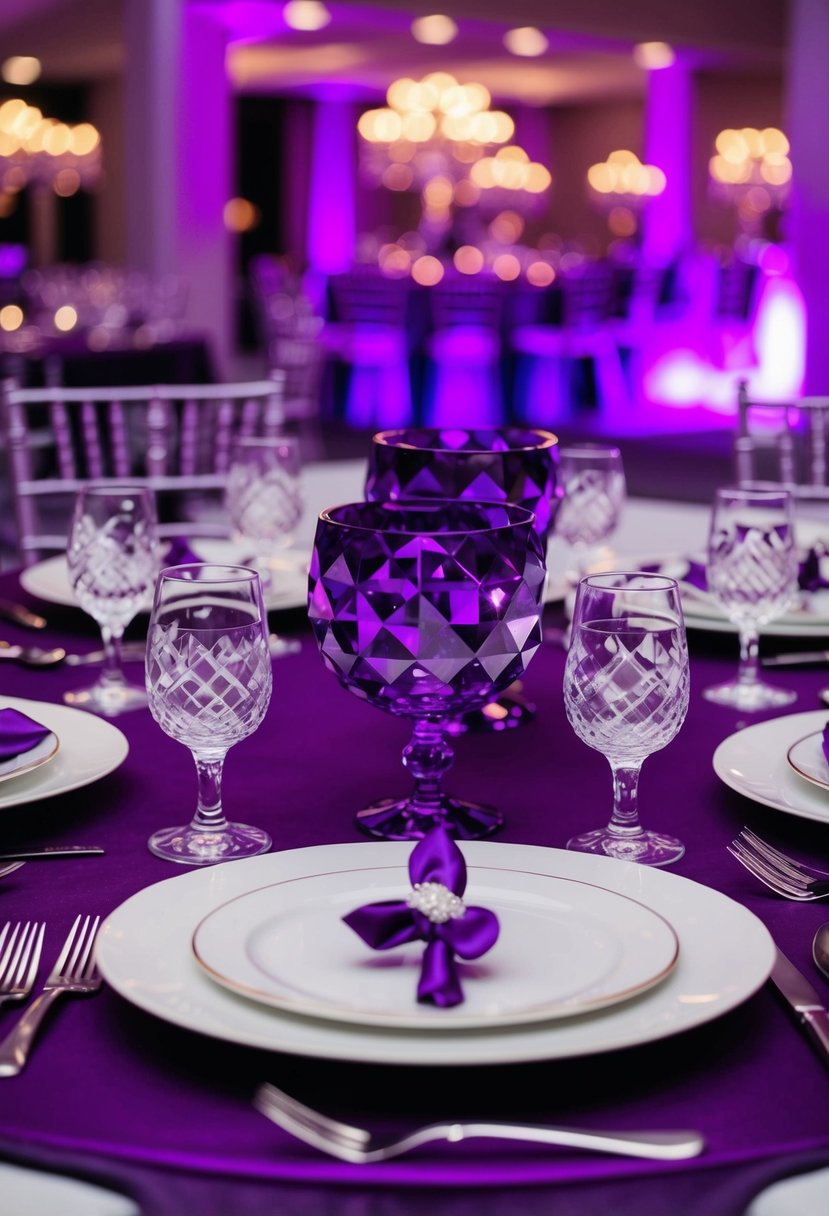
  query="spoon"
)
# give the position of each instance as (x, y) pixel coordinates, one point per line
(32, 656)
(820, 949)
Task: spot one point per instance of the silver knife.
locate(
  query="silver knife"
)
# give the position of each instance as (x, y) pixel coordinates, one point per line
(801, 658)
(131, 652)
(802, 998)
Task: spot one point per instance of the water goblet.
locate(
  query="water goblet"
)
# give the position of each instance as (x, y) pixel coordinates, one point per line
(208, 674)
(426, 610)
(112, 558)
(626, 682)
(593, 491)
(264, 502)
(502, 464)
(752, 571)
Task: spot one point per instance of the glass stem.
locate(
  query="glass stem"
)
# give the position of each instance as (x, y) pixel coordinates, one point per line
(427, 756)
(624, 821)
(112, 673)
(748, 671)
(209, 816)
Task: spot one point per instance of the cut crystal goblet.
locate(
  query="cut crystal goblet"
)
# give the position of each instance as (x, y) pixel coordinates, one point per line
(508, 464)
(426, 610)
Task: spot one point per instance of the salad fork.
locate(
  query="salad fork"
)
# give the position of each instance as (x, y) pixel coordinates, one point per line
(19, 961)
(75, 971)
(781, 873)
(356, 1145)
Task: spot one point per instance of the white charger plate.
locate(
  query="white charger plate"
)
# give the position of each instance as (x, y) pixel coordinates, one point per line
(754, 762)
(563, 948)
(90, 748)
(41, 753)
(144, 951)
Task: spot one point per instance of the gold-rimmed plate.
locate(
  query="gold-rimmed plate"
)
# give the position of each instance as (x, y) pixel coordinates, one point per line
(41, 753)
(806, 756)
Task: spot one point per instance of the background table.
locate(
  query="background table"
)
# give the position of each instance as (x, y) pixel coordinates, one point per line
(118, 1095)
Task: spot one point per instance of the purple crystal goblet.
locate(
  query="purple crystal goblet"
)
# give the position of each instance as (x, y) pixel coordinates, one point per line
(508, 464)
(426, 610)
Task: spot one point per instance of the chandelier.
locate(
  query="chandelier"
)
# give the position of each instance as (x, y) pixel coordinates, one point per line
(438, 128)
(751, 171)
(41, 151)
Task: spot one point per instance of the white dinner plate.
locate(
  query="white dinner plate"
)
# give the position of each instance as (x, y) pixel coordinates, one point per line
(563, 948)
(808, 759)
(754, 762)
(41, 753)
(90, 747)
(49, 579)
(144, 951)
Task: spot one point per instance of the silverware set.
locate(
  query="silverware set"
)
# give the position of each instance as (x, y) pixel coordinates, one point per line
(74, 972)
(36, 656)
(780, 873)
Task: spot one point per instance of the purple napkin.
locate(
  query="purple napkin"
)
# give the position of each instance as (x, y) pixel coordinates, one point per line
(19, 733)
(434, 913)
(826, 742)
(809, 577)
(179, 553)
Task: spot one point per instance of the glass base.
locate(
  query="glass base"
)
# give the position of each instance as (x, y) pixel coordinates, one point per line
(109, 700)
(749, 697)
(507, 711)
(191, 846)
(397, 820)
(648, 848)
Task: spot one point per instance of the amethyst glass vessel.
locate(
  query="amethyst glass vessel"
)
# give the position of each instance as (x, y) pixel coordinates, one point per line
(506, 464)
(426, 610)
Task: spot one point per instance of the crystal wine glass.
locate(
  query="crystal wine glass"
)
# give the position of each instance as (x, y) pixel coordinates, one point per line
(505, 464)
(208, 674)
(752, 571)
(594, 490)
(264, 501)
(112, 557)
(426, 610)
(626, 682)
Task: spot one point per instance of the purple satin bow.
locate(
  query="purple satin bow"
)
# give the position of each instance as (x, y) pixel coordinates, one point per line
(19, 733)
(179, 553)
(826, 741)
(434, 913)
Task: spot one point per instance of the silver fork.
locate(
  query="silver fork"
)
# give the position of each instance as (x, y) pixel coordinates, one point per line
(781, 873)
(356, 1145)
(74, 971)
(20, 959)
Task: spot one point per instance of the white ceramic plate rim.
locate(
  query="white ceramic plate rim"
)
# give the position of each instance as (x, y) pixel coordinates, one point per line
(753, 761)
(43, 751)
(807, 759)
(48, 580)
(144, 954)
(90, 749)
(611, 951)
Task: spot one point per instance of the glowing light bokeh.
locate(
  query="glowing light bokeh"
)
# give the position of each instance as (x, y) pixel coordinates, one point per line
(434, 30)
(526, 40)
(306, 15)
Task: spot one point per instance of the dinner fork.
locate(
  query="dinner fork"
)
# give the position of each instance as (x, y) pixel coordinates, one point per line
(19, 961)
(781, 873)
(356, 1145)
(74, 971)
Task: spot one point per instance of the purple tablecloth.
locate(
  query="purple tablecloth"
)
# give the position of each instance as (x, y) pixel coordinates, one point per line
(113, 1093)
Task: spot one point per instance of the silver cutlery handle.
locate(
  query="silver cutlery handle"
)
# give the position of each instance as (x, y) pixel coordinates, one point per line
(14, 1050)
(816, 1022)
(657, 1145)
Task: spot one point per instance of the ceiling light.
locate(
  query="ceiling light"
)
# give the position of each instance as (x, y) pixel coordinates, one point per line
(436, 30)
(526, 40)
(653, 55)
(306, 15)
(21, 69)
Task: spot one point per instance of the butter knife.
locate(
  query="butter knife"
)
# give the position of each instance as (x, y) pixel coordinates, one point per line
(57, 850)
(804, 1002)
(802, 658)
(21, 615)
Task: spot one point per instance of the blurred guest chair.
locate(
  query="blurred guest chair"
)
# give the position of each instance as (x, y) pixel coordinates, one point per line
(783, 441)
(463, 346)
(367, 338)
(556, 354)
(175, 438)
